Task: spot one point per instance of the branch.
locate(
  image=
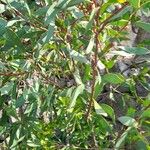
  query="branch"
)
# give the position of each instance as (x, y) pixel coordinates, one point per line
(94, 61)
(94, 65)
(106, 21)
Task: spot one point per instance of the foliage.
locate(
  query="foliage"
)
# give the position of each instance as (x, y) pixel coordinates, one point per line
(50, 81)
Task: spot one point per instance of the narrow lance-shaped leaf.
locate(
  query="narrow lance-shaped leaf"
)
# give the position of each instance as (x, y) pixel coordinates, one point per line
(74, 2)
(16, 142)
(113, 78)
(145, 26)
(54, 9)
(109, 110)
(77, 77)
(6, 88)
(79, 57)
(12, 22)
(127, 121)
(136, 50)
(122, 138)
(3, 24)
(121, 13)
(49, 33)
(89, 25)
(99, 110)
(14, 40)
(90, 45)
(75, 95)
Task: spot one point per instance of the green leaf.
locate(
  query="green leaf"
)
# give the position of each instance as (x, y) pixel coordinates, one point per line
(41, 11)
(146, 113)
(146, 5)
(98, 86)
(141, 145)
(122, 139)
(3, 24)
(2, 66)
(7, 88)
(77, 77)
(113, 78)
(98, 89)
(144, 25)
(76, 13)
(27, 7)
(30, 108)
(75, 95)
(105, 126)
(74, 2)
(135, 3)
(90, 22)
(90, 45)
(49, 33)
(12, 22)
(14, 40)
(11, 112)
(104, 7)
(16, 142)
(32, 144)
(121, 13)
(136, 50)
(51, 13)
(20, 101)
(79, 57)
(127, 121)
(109, 110)
(54, 9)
(99, 110)
(2, 129)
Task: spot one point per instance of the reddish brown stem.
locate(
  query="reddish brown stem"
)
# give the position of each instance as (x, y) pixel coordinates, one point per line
(106, 21)
(94, 66)
(94, 61)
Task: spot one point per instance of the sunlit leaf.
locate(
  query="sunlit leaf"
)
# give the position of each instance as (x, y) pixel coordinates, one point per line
(90, 45)
(109, 110)
(79, 57)
(121, 13)
(144, 25)
(136, 50)
(99, 110)
(54, 9)
(75, 95)
(93, 13)
(7, 88)
(15, 142)
(127, 121)
(122, 139)
(113, 78)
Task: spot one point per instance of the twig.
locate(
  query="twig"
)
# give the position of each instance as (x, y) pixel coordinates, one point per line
(12, 74)
(106, 21)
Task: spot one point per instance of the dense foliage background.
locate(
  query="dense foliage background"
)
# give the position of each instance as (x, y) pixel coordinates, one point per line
(59, 86)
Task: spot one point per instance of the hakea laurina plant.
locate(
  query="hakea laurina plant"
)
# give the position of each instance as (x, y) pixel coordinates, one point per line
(59, 84)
